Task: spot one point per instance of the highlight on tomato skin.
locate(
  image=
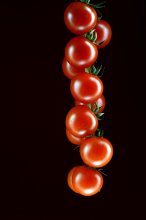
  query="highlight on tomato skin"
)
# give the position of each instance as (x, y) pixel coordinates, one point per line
(73, 139)
(104, 33)
(80, 18)
(86, 88)
(100, 103)
(70, 71)
(86, 181)
(80, 52)
(96, 151)
(81, 121)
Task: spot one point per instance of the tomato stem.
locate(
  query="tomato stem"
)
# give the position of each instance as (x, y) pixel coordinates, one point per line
(100, 170)
(99, 132)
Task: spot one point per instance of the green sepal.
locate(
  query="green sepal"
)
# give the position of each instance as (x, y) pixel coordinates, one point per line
(100, 116)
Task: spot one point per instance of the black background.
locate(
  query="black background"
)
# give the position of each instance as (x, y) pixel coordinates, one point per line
(37, 156)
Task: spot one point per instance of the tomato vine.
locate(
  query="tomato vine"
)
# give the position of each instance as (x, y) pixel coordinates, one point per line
(82, 121)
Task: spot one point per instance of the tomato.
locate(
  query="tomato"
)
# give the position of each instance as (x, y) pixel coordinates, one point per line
(96, 151)
(81, 121)
(69, 70)
(80, 18)
(81, 52)
(86, 181)
(73, 139)
(100, 102)
(86, 88)
(104, 33)
(69, 179)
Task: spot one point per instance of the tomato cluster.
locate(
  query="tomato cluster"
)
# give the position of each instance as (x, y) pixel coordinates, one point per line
(86, 87)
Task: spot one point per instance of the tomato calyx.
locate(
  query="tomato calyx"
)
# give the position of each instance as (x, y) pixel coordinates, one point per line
(91, 36)
(97, 6)
(95, 108)
(99, 132)
(97, 71)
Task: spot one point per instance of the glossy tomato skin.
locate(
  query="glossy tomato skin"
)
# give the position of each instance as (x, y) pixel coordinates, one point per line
(86, 181)
(80, 52)
(80, 18)
(69, 179)
(96, 151)
(100, 102)
(73, 139)
(81, 121)
(70, 71)
(104, 33)
(86, 88)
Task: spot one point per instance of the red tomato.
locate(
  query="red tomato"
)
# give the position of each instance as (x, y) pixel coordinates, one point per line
(81, 121)
(96, 151)
(81, 52)
(69, 70)
(86, 88)
(69, 179)
(73, 139)
(101, 104)
(80, 18)
(104, 33)
(86, 181)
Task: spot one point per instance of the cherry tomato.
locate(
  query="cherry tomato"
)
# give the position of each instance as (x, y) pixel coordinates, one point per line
(69, 179)
(81, 121)
(80, 18)
(81, 52)
(100, 102)
(86, 181)
(86, 88)
(96, 151)
(69, 70)
(73, 139)
(104, 33)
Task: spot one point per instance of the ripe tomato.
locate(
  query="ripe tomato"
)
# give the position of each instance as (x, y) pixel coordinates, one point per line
(100, 102)
(80, 18)
(69, 70)
(104, 33)
(81, 52)
(81, 121)
(96, 151)
(86, 88)
(73, 139)
(69, 179)
(86, 181)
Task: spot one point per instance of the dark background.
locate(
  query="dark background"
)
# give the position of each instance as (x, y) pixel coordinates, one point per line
(37, 156)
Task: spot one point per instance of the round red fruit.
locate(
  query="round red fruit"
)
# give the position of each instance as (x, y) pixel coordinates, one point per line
(86, 88)
(104, 33)
(80, 18)
(86, 181)
(81, 121)
(80, 52)
(96, 151)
